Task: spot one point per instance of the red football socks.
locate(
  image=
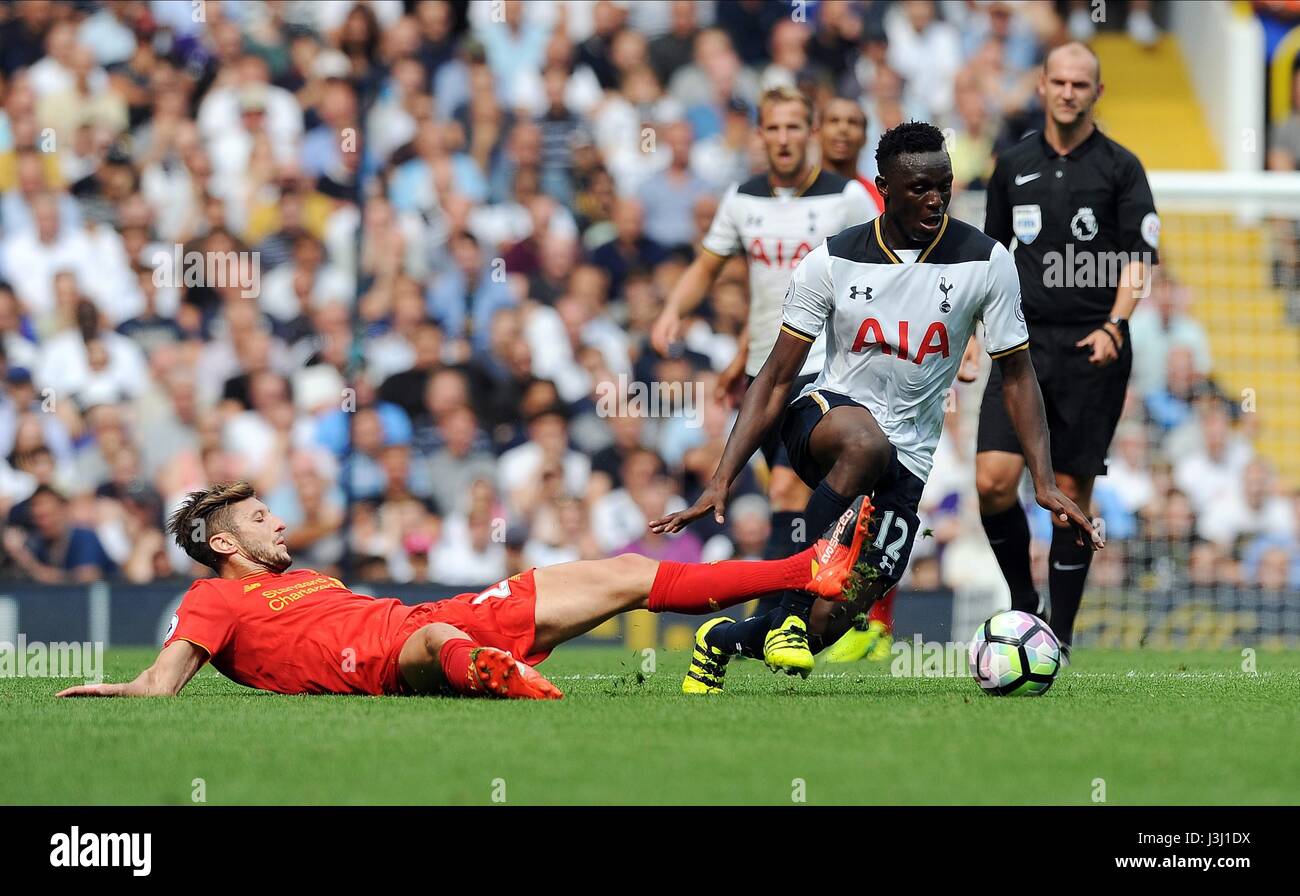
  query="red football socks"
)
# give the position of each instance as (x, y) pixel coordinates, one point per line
(455, 660)
(883, 609)
(705, 587)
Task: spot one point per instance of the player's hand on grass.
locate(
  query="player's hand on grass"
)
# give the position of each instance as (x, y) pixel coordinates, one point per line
(666, 330)
(1102, 349)
(1065, 510)
(94, 690)
(714, 498)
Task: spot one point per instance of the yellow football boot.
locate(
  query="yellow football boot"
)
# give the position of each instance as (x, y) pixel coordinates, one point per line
(785, 649)
(708, 664)
(873, 642)
(883, 649)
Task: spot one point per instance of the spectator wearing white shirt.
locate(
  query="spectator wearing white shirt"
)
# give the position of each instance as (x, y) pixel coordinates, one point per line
(220, 112)
(467, 553)
(748, 525)
(54, 72)
(1251, 506)
(1128, 469)
(305, 283)
(926, 51)
(1160, 323)
(617, 517)
(788, 44)
(1210, 472)
(548, 444)
(30, 260)
(87, 354)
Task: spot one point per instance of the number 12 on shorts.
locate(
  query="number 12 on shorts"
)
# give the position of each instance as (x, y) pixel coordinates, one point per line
(895, 547)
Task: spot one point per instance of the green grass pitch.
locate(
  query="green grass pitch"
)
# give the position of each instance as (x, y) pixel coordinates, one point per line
(1156, 727)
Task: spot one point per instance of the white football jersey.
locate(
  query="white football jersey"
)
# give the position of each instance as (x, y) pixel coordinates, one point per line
(899, 323)
(776, 230)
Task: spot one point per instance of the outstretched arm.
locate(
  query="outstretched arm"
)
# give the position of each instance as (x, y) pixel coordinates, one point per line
(1024, 403)
(764, 401)
(175, 666)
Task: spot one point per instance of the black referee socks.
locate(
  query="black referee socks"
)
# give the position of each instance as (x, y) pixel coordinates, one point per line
(1008, 534)
(1067, 570)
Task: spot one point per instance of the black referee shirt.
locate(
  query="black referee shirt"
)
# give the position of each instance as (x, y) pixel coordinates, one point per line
(1077, 220)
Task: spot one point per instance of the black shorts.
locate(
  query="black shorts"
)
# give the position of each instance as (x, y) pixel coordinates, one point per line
(772, 447)
(895, 499)
(1083, 402)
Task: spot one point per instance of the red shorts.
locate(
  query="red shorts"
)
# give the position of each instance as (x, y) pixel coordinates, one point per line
(503, 616)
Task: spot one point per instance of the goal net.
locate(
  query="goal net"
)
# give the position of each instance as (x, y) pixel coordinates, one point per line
(1202, 502)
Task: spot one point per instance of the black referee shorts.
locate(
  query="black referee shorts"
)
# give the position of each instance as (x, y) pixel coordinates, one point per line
(773, 448)
(1083, 402)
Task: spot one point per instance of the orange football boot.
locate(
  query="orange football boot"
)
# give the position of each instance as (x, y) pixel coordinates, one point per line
(498, 674)
(836, 553)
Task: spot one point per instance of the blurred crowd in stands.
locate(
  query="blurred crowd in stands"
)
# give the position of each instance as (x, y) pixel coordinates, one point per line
(395, 262)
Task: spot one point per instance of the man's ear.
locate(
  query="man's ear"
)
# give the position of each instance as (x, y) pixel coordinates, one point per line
(883, 188)
(223, 544)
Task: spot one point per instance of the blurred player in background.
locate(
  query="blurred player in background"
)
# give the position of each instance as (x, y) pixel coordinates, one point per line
(1067, 192)
(843, 134)
(775, 219)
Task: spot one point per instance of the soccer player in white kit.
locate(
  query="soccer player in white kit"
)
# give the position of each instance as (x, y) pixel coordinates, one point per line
(774, 220)
(896, 300)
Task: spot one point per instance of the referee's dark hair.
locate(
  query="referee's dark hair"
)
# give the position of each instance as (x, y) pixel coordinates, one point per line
(908, 137)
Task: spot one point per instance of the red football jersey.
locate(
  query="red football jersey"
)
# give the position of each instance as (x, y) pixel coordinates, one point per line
(298, 632)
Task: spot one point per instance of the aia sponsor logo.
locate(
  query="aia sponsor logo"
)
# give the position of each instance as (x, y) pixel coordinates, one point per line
(777, 253)
(872, 335)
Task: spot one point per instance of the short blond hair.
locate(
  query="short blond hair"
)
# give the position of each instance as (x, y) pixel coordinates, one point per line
(785, 94)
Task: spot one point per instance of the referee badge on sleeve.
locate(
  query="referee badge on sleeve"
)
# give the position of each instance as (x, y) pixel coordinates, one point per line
(1151, 230)
(1026, 222)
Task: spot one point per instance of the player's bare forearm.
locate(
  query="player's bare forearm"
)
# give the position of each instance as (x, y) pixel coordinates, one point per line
(1024, 403)
(765, 399)
(689, 290)
(695, 282)
(171, 671)
(1132, 285)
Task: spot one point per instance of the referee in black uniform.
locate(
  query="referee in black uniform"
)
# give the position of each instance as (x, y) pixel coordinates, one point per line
(1080, 209)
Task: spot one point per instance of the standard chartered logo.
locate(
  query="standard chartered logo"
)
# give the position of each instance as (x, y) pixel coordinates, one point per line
(280, 598)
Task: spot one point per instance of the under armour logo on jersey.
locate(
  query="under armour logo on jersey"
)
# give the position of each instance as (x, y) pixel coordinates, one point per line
(753, 220)
(812, 221)
(945, 287)
(865, 294)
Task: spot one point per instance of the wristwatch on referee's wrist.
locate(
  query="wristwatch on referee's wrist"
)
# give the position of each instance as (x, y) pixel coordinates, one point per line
(1121, 326)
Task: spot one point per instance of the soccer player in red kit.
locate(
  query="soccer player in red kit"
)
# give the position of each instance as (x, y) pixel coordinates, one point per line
(302, 632)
